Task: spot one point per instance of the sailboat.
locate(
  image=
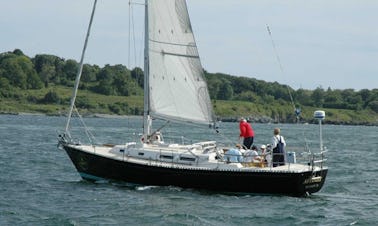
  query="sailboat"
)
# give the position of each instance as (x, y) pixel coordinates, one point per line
(175, 91)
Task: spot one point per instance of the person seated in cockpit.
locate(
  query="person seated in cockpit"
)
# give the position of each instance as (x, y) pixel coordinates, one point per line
(252, 156)
(232, 155)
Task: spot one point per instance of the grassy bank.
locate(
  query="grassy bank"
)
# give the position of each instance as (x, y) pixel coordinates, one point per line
(30, 101)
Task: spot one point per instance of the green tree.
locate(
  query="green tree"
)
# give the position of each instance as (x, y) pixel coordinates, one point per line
(5, 87)
(333, 99)
(34, 81)
(60, 75)
(226, 91)
(373, 105)
(303, 97)
(18, 52)
(351, 100)
(70, 69)
(242, 84)
(104, 87)
(247, 96)
(47, 73)
(89, 73)
(120, 83)
(138, 75)
(365, 96)
(318, 97)
(46, 66)
(13, 72)
(4, 83)
(19, 71)
(213, 85)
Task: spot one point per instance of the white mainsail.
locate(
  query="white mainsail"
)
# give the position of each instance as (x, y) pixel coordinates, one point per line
(177, 88)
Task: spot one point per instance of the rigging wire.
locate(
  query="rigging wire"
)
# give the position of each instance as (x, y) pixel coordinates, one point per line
(227, 140)
(91, 137)
(132, 35)
(133, 30)
(129, 40)
(80, 70)
(132, 40)
(297, 111)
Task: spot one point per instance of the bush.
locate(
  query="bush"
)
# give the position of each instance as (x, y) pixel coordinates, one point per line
(32, 99)
(373, 106)
(51, 98)
(83, 102)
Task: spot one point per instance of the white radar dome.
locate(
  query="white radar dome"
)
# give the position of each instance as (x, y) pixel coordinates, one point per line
(319, 115)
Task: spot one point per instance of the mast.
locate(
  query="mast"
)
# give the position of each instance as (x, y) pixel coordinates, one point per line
(146, 113)
(77, 80)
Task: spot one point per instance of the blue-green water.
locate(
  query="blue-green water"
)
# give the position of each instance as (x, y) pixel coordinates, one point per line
(39, 184)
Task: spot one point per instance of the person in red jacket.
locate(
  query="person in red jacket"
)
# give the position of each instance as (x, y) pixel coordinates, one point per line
(247, 133)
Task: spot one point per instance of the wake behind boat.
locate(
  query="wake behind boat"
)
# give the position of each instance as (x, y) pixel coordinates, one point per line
(175, 91)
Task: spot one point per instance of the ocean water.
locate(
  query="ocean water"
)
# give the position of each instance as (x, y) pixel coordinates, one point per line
(40, 186)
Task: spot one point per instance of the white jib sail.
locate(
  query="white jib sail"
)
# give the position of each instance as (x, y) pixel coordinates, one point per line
(177, 89)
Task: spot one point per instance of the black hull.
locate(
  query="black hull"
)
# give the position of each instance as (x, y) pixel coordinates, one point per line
(94, 167)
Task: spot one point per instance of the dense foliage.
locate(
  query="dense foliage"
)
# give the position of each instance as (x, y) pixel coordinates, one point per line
(227, 87)
(44, 72)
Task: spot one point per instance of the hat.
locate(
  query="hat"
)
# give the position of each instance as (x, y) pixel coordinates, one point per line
(263, 146)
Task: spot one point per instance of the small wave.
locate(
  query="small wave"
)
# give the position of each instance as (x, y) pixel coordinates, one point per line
(144, 188)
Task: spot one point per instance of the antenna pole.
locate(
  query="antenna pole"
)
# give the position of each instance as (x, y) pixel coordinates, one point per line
(320, 135)
(320, 115)
(77, 80)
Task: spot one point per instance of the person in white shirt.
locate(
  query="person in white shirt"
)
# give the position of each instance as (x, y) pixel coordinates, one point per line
(278, 146)
(252, 156)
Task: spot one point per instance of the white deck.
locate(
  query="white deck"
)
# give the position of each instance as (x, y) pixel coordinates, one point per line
(200, 156)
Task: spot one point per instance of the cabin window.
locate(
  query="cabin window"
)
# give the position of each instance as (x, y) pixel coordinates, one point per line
(140, 153)
(187, 159)
(121, 150)
(166, 156)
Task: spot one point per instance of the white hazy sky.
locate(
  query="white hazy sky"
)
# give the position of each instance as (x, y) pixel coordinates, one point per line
(319, 42)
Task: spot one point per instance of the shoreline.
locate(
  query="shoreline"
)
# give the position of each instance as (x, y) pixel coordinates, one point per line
(262, 120)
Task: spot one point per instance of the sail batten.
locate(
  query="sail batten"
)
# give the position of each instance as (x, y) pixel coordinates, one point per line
(170, 43)
(177, 88)
(180, 55)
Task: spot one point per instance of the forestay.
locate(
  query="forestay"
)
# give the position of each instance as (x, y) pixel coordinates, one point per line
(177, 89)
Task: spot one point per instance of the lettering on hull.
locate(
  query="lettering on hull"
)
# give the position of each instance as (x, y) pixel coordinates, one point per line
(313, 180)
